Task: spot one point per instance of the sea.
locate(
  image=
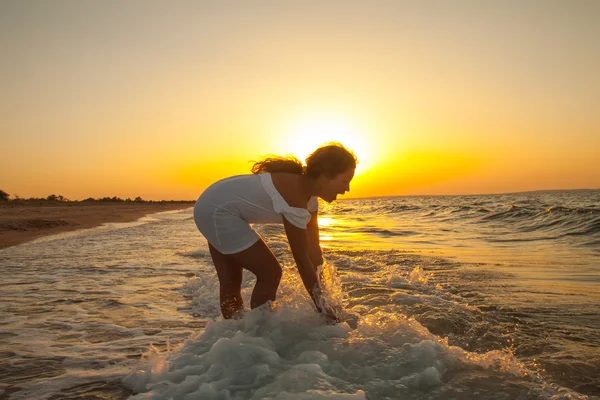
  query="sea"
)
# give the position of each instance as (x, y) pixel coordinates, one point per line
(441, 297)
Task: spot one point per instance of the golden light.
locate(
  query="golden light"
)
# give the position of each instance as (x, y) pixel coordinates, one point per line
(325, 221)
(307, 134)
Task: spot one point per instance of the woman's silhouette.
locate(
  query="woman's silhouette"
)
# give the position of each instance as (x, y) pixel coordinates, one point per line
(280, 190)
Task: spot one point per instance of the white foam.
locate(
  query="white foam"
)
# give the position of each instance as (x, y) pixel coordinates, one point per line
(290, 352)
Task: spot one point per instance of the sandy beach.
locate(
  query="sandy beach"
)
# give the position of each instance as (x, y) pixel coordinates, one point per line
(20, 223)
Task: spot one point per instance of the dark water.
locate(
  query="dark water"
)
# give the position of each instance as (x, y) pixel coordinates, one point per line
(466, 297)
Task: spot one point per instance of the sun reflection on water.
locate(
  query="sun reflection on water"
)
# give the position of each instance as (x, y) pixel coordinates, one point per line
(325, 221)
(340, 232)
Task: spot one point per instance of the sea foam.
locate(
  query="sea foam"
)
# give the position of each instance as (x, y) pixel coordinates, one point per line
(286, 351)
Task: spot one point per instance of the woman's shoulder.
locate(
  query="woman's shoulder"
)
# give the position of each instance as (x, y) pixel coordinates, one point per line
(288, 185)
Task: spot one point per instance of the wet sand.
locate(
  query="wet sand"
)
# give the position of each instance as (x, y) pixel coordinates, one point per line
(20, 223)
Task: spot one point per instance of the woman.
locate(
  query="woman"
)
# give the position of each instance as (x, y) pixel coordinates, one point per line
(280, 190)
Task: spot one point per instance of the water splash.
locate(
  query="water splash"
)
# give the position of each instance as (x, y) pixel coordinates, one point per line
(289, 351)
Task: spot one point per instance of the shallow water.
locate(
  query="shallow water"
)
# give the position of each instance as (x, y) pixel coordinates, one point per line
(485, 297)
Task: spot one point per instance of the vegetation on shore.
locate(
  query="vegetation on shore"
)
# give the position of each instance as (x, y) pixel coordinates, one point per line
(53, 198)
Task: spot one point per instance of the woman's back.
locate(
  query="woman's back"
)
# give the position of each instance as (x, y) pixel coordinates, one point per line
(254, 198)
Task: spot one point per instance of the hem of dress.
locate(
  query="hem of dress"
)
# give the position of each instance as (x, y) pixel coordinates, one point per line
(239, 249)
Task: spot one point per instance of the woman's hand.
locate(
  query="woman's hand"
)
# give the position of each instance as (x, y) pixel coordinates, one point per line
(330, 315)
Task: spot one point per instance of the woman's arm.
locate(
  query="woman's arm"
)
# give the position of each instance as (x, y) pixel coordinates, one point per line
(298, 239)
(314, 246)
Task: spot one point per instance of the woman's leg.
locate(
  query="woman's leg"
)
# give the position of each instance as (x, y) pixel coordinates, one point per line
(230, 282)
(259, 260)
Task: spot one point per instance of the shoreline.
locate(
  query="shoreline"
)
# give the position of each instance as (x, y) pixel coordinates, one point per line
(23, 223)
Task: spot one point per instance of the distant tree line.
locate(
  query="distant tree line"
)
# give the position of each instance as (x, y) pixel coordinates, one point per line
(59, 198)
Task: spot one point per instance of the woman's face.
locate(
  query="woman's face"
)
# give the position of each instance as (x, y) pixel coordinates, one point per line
(339, 184)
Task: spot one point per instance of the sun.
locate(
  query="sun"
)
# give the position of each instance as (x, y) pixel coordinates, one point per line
(307, 134)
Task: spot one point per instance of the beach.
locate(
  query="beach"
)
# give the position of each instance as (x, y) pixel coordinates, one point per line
(465, 297)
(25, 221)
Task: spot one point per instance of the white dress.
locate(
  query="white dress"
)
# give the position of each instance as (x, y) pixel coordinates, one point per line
(225, 210)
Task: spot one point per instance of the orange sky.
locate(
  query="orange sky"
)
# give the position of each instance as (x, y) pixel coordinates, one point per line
(159, 99)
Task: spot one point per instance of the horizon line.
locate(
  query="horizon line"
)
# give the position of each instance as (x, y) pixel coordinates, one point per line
(476, 194)
(101, 199)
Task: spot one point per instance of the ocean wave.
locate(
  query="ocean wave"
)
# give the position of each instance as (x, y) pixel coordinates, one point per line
(386, 232)
(513, 213)
(412, 334)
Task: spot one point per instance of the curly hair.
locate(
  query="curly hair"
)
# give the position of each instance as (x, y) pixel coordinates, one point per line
(278, 164)
(330, 159)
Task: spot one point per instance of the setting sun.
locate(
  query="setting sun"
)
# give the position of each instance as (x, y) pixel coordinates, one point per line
(305, 135)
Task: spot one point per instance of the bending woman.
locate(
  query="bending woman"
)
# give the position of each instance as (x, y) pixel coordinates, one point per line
(280, 190)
